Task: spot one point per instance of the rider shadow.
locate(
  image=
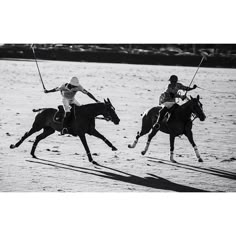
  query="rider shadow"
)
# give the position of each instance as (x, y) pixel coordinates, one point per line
(154, 181)
(211, 171)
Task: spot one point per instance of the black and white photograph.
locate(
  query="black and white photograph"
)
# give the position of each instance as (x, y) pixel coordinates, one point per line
(117, 118)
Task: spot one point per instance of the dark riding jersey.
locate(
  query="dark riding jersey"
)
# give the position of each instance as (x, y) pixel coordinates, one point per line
(171, 93)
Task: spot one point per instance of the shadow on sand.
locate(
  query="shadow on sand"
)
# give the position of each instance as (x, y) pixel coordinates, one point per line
(211, 171)
(152, 181)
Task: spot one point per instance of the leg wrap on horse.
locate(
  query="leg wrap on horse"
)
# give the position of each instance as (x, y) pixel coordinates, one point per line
(146, 148)
(135, 141)
(134, 144)
(197, 152)
(172, 156)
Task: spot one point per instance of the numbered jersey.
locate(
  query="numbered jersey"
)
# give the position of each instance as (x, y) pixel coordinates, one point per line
(171, 93)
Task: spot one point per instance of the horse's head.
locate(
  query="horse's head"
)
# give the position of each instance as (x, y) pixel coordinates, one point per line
(197, 108)
(109, 113)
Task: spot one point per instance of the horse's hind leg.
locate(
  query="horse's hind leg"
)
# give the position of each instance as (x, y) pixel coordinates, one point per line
(146, 126)
(98, 135)
(172, 143)
(155, 129)
(189, 135)
(46, 132)
(135, 141)
(33, 130)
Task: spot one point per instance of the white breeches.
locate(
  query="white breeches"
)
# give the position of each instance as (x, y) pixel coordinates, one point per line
(169, 104)
(67, 102)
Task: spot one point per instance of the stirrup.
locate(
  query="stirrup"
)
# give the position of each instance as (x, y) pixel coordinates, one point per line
(64, 131)
(157, 126)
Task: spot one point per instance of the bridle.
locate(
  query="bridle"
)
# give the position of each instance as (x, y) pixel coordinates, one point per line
(194, 113)
(107, 115)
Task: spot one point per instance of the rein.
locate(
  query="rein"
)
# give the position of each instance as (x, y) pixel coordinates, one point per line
(100, 118)
(90, 107)
(193, 116)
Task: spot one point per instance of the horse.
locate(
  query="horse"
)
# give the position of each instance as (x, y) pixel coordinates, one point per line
(178, 124)
(82, 122)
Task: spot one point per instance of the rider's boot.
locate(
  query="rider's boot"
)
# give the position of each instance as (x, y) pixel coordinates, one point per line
(173, 107)
(170, 111)
(162, 113)
(65, 124)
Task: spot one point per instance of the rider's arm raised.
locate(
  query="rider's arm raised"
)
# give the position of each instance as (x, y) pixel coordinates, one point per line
(62, 88)
(185, 88)
(189, 89)
(81, 89)
(90, 95)
(52, 90)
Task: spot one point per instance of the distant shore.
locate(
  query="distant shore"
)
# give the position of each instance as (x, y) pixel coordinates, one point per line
(112, 57)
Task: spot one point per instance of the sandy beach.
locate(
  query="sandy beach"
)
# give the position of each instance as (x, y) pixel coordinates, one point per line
(62, 164)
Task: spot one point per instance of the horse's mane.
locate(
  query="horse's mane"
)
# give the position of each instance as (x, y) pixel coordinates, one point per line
(185, 107)
(90, 105)
(185, 104)
(88, 108)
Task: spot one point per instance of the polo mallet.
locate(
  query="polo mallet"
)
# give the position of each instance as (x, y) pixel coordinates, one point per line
(41, 79)
(204, 56)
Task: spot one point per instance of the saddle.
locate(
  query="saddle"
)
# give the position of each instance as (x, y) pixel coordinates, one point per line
(169, 113)
(60, 114)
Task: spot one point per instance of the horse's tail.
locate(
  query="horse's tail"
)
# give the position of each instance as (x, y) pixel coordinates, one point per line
(39, 109)
(144, 113)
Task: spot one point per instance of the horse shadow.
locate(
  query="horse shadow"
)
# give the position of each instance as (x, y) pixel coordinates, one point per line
(211, 171)
(151, 181)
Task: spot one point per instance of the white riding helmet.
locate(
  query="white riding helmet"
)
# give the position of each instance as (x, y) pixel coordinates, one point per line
(74, 81)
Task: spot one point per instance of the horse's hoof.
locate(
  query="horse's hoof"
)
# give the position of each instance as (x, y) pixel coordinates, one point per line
(12, 146)
(173, 161)
(95, 163)
(33, 156)
(131, 146)
(143, 152)
(200, 160)
(114, 149)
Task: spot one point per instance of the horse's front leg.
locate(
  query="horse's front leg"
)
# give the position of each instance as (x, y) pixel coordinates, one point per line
(98, 135)
(172, 147)
(84, 142)
(189, 135)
